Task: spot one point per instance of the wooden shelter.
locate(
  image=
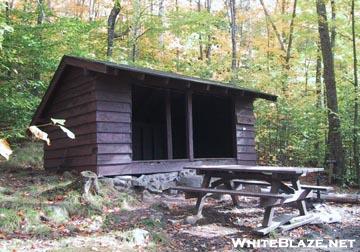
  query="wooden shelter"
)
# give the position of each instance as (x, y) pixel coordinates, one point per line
(131, 120)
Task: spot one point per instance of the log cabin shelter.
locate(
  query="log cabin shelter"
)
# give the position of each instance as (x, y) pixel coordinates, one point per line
(131, 120)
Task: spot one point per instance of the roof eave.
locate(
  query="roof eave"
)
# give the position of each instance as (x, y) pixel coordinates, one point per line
(107, 68)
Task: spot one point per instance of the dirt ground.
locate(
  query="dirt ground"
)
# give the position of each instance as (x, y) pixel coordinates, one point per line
(162, 215)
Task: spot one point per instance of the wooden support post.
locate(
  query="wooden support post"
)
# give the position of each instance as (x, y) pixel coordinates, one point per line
(189, 125)
(168, 126)
(301, 203)
(234, 198)
(201, 198)
(234, 130)
(269, 211)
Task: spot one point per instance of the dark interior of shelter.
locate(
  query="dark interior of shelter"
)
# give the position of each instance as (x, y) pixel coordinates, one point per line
(213, 122)
(212, 125)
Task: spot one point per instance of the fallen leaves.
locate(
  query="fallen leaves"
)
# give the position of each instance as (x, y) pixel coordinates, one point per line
(59, 197)
(5, 149)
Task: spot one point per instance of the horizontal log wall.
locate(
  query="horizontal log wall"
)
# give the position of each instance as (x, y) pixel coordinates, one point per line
(245, 131)
(74, 100)
(113, 123)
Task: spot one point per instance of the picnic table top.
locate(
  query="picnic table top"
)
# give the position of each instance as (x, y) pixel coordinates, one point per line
(254, 169)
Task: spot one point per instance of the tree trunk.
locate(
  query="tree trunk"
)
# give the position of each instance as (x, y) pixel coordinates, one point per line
(278, 36)
(333, 27)
(319, 98)
(356, 101)
(161, 17)
(334, 135)
(232, 5)
(318, 79)
(201, 53)
(40, 20)
(92, 10)
(41, 12)
(7, 12)
(208, 46)
(291, 33)
(111, 27)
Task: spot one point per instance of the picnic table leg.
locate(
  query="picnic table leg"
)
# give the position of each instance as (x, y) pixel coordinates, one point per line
(201, 198)
(269, 211)
(234, 198)
(301, 203)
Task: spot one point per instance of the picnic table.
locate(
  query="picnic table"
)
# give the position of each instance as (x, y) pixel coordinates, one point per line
(285, 187)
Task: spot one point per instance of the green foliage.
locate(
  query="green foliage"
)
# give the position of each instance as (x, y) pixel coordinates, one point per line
(291, 132)
(28, 154)
(9, 220)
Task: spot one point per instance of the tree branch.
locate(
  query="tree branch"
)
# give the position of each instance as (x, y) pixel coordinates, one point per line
(278, 36)
(291, 32)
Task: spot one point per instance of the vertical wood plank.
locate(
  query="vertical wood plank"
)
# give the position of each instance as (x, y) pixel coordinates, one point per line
(168, 126)
(233, 121)
(189, 125)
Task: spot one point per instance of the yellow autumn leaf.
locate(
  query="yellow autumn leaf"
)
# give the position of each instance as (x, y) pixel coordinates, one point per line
(58, 121)
(39, 134)
(5, 149)
(68, 132)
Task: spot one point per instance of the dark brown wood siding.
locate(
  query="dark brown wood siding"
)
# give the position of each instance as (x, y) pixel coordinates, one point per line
(113, 123)
(73, 100)
(245, 131)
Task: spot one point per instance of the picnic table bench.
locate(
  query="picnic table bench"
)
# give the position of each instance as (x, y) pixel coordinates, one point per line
(285, 187)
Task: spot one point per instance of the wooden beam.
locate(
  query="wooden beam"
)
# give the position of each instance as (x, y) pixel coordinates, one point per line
(137, 76)
(189, 126)
(86, 72)
(168, 126)
(166, 81)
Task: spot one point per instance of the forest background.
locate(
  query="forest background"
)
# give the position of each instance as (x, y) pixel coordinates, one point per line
(302, 51)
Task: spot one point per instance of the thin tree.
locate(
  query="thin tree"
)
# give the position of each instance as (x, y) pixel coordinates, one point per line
(208, 44)
(356, 91)
(201, 51)
(92, 10)
(336, 151)
(39, 21)
(161, 17)
(233, 29)
(111, 27)
(286, 48)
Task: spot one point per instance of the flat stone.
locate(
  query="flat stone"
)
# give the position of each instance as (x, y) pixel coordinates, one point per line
(124, 182)
(192, 181)
(137, 236)
(108, 182)
(192, 219)
(156, 183)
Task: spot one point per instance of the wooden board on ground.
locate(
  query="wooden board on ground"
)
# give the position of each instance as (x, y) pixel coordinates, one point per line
(309, 218)
(277, 222)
